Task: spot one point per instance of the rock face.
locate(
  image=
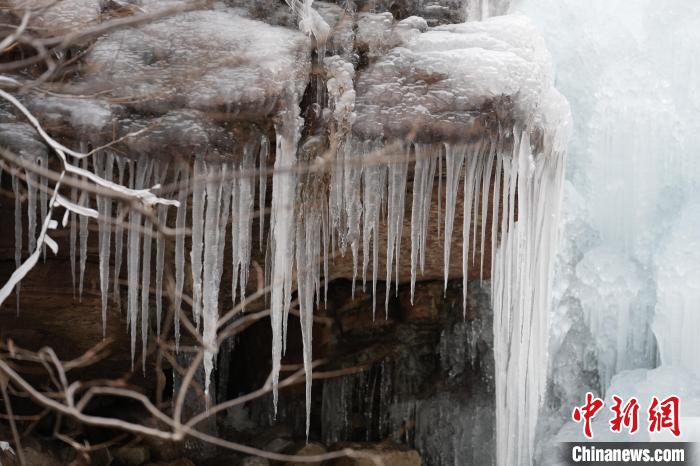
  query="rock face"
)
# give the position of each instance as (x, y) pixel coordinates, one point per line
(427, 382)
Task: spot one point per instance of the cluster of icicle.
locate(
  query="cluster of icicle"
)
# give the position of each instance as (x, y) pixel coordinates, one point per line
(309, 221)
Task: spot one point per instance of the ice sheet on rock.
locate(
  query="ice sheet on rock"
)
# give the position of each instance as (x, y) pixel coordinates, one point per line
(244, 65)
(523, 261)
(479, 10)
(632, 162)
(676, 321)
(374, 33)
(438, 83)
(617, 303)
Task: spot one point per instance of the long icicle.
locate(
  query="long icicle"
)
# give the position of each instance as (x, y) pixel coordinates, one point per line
(119, 231)
(454, 159)
(282, 221)
(180, 224)
(198, 196)
(84, 201)
(104, 205)
(216, 177)
(162, 217)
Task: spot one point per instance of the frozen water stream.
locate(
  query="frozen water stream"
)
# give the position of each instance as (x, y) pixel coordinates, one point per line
(630, 264)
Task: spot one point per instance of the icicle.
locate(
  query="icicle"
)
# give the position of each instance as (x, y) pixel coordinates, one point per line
(198, 195)
(374, 180)
(141, 174)
(264, 152)
(235, 235)
(495, 210)
(374, 186)
(162, 216)
(282, 221)
(486, 190)
(395, 211)
(18, 231)
(424, 174)
(31, 211)
(352, 199)
(83, 235)
(119, 231)
(522, 281)
(211, 266)
(308, 251)
(145, 288)
(180, 224)
(432, 153)
(73, 236)
(245, 217)
(439, 206)
(470, 178)
(104, 205)
(226, 191)
(325, 225)
(454, 159)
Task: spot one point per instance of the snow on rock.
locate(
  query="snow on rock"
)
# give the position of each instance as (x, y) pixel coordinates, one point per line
(235, 65)
(440, 83)
(62, 16)
(82, 115)
(438, 11)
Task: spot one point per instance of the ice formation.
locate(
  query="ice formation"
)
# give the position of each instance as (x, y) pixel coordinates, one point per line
(473, 102)
(630, 74)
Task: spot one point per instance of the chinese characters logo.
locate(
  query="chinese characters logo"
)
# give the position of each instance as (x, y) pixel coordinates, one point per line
(661, 414)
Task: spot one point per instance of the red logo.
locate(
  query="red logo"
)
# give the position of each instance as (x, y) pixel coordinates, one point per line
(587, 412)
(663, 414)
(627, 415)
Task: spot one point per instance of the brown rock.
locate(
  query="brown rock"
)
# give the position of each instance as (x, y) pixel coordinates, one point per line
(132, 456)
(178, 462)
(255, 461)
(309, 449)
(389, 456)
